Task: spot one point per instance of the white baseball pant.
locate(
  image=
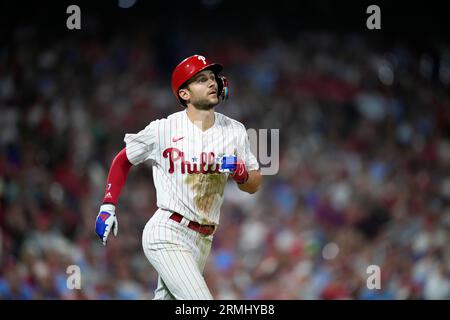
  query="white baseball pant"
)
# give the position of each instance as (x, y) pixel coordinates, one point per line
(179, 255)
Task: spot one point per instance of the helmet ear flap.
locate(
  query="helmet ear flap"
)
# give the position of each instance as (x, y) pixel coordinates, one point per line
(223, 87)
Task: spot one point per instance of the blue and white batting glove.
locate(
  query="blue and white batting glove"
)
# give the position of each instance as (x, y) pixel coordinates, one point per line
(236, 167)
(228, 164)
(106, 219)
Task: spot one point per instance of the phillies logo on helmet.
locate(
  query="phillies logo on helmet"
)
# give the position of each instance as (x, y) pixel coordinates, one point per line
(202, 58)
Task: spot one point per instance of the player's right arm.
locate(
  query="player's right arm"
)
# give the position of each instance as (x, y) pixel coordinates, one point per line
(139, 148)
(117, 176)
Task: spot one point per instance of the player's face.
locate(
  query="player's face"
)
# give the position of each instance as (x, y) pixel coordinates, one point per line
(203, 90)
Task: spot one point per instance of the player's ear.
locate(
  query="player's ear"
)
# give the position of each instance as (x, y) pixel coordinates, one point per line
(184, 94)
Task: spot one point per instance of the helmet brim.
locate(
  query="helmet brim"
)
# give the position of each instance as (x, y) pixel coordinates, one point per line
(216, 68)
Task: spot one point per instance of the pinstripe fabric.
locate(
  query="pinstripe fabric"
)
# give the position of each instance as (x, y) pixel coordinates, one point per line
(179, 255)
(176, 191)
(176, 147)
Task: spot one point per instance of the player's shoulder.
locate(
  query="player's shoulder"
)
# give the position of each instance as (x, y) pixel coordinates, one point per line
(175, 115)
(228, 122)
(162, 122)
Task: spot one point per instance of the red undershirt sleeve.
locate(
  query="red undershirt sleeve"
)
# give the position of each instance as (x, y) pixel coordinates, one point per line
(117, 177)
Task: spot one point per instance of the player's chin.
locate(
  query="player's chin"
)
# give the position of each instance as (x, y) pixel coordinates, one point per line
(214, 100)
(207, 104)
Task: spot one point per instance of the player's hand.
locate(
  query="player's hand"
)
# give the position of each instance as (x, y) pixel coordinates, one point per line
(106, 219)
(236, 167)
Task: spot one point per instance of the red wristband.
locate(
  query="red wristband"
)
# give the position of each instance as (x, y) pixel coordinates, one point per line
(240, 175)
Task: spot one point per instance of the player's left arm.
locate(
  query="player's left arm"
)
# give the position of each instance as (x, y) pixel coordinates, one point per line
(247, 174)
(253, 182)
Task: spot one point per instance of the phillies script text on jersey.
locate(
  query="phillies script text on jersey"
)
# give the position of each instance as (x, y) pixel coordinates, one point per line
(178, 164)
(206, 165)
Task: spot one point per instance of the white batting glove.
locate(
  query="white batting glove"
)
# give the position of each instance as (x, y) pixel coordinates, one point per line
(106, 219)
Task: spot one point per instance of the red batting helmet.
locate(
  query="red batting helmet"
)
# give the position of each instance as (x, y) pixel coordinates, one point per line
(192, 65)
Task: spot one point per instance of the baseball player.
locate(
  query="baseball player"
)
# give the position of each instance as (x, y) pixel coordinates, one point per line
(193, 153)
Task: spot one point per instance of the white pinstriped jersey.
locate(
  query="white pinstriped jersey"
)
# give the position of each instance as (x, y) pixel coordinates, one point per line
(185, 162)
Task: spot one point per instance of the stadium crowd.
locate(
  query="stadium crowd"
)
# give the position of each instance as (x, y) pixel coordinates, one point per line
(363, 177)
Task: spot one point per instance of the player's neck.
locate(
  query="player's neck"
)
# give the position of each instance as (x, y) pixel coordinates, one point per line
(203, 119)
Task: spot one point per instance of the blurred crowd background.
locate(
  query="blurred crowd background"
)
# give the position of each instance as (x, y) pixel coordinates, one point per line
(364, 159)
